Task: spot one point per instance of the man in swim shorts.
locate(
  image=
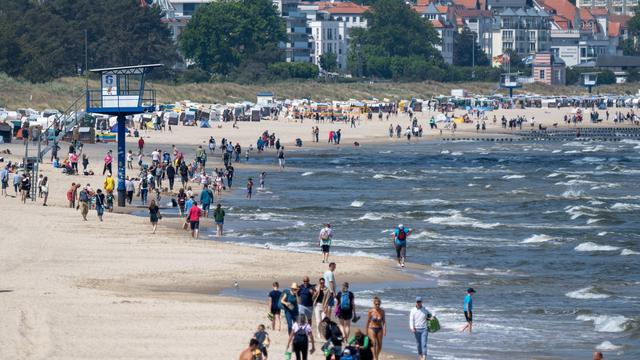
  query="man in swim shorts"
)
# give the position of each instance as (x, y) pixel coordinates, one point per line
(468, 310)
(400, 236)
(324, 240)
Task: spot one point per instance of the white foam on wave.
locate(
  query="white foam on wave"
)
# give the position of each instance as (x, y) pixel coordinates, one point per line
(625, 207)
(373, 216)
(307, 173)
(581, 210)
(573, 182)
(606, 323)
(627, 252)
(415, 202)
(572, 194)
(602, 233)
(556, 151)
(456, 219)
(538, 238)
(591, 246)
(593, 221)
(457, 153)
(586, 294)
(608, 346)
(357, 203)
(508, 177)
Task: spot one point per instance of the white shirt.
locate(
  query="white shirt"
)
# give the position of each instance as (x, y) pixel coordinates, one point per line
(128, 184)
(328, 278)
(325, 235)
(418, 318)
(155, 156)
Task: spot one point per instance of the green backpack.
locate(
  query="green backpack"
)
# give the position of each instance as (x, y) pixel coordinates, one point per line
(434, 325)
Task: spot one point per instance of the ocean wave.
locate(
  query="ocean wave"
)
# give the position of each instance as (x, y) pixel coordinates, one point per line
(552, 175)
(456, 219)
(415, 202)
(373, 216)
(574, 182)
(537, 239)
(608, 346)
(625, 207)
(607, 323)
(591, 246)
(307, 173)
(424, 235)
(586, 294)
(357, 203)
(602, 233)
(593, 221)
(627, 252)
(457, 153)
(508, 177)
(581, 210)
(572, 194)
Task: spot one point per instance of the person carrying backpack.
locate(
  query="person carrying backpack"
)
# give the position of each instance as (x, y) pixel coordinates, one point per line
(333, 335)
(400, 236)
(299, 339)
(345, 309)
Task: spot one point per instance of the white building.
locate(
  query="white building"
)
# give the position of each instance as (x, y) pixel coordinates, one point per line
(619, 7)
(439, 17)
(329, 36)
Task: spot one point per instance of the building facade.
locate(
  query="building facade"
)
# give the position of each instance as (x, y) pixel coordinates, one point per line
(619, 7)
(524, 32)
(548, 70)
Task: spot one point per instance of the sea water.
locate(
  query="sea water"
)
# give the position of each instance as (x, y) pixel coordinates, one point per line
(547, 234)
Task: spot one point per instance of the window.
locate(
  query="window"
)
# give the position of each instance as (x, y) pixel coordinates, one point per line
(188, 9)
(541, 74)
(507, 45)
(507, 34)
(532, 47)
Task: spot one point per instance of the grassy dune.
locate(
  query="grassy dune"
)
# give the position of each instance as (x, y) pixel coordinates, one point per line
(61, 92)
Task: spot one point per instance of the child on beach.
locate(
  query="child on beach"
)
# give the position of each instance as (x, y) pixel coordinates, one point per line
(262, 176)
(263, 340)
(249, 188)
(274, 306)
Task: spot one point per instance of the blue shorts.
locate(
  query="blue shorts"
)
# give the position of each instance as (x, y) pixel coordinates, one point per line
(205, 207)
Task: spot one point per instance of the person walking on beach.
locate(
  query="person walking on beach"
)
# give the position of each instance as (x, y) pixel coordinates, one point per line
(299, 338)
(130, 188)
(140, 145)
(206, 198)
(130, 160)
(249, 188)
(281, 157)
(182, 199)
(330, 281)
(418, 321)
(275, 307)
(306, 294)
(218, 216)
(109, 184)
(324, 240)
(25, 187)
(289, 301)
(400, 243)
(263, 340)
(108, 159)
(376, 326)
(320, 297)
(85, 163)
(346, 309)
(154, 215)
(144, 189)
(194, 219)
(16, 182)
(4, 179)
(98, 198)
(262, 176)
(170, 171)
(44, 188)
(83, 198)
(468, 310)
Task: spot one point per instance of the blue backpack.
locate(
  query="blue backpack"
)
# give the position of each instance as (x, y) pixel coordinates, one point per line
(345, 302)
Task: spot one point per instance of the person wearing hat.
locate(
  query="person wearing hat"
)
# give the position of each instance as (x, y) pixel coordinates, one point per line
(468, 310)
(400, 236)
(289, 301)
(324, 240)
(418, 321)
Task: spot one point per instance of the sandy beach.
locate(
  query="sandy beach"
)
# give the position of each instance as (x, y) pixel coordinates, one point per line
(76, 289)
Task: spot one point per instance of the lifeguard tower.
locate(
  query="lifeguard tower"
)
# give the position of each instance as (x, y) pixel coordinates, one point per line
(589, 80)
(510, 81)
(122, 93)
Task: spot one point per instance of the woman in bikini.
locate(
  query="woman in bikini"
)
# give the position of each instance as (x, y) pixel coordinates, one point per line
(376, 327)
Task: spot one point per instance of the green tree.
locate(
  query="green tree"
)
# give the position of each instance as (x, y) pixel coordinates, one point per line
(42, 40)
(329, 61)
(463, 43)
(631, 46)
(225, 34)
(395, 38)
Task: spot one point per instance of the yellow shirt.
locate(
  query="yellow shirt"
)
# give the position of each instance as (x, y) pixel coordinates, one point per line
(109, 184)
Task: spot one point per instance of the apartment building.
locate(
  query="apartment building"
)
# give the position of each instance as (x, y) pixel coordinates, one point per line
(439, 16)
(523, 31)
(618, 7)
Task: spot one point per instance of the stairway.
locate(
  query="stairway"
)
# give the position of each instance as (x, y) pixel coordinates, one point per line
(62, 125)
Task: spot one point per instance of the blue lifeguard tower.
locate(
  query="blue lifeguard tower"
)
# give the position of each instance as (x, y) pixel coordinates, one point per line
(509, 81)
(122, 93)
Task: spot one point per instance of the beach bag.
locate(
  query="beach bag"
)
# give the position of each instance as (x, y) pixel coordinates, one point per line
(345, 302)
(300, 338)
(433, 325)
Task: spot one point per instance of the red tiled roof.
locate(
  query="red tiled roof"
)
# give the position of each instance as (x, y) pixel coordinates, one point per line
(469, 4)
(342, 7)
(599, 11)
(614, 29)
(622, 19)
(422, 2)
(437, 24)
(442, 9)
